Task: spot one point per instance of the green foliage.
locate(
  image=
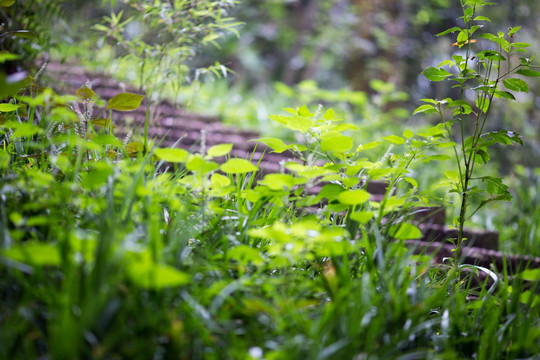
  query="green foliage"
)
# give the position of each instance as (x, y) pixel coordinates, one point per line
(162, 37)
(105, 255)
(27, 28)
(480, 77)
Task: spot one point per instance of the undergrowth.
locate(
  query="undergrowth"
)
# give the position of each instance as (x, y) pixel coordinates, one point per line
(119, 248)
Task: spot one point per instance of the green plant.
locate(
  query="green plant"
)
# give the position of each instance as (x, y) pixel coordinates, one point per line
(481, 77)
(162, 37)
(27, 29)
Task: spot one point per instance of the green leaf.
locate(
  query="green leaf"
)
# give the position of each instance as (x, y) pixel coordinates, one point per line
(125, 102)
(24, 34)
(449, 31)
(368, 146)
(10, 85)
(299, 123)
(86, 93)
(353, 197)
(439, 157)
(196, 163)
(149, 275)
(329, 114)
(277, 145)
(330, 192)
(426, 108)
(513, 30)
(23, 129)
(394, 139)
(408, 134)
(97, 176)
(482, 18)
(304, 111)
(482, 155)
(6, 3)
(218, 181)
(530, 275)
(502, 137)
(405, 231)
(434, 74)
(4, 159)
(245, 254)
(528, 72)
(362, 217)
(280, 181)
(495, 185)
(490, 55)
(446, 62)
(8, 107)
(5, 56)
(411, 181)
(219, 150)
(34, 253)
(172, 155)
(237, 166)
(505, 94)
(452, 175)
(336, 142)
(103, 123)
(520, 45)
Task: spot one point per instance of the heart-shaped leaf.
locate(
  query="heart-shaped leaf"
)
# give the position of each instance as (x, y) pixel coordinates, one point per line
(125, 102)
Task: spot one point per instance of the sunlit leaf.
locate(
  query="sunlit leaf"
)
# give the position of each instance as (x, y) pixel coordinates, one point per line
(280, 181)
(125, 102)
(434, 74)
(530, 275)
(153, 276)
(362, 217)
(426, 108)
(336, 142)
(34, 253)
(23, 129)
(449, 31)
(172, 155)
(516, 85)
(237, 166)
(8, 107)
(245, 254)
(405, 231)
(482, 18)
(5, 56)
(394, 139)
(329, 114)
(277, 145)
(514, 30)
(408, 134)
(197, 164)
(219, 150)
(353, 197)
(218, 180)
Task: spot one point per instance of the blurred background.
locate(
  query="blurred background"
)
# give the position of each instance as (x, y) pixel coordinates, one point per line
(364, 58)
